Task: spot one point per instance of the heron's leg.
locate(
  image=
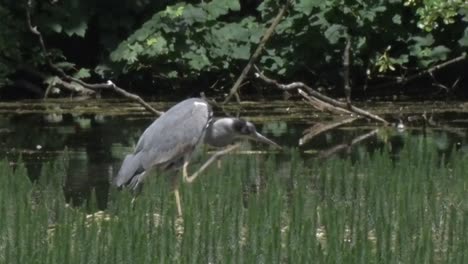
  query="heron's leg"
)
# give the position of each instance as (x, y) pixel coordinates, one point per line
(175, 187)
(213, 158)
(184, 170)
(177, 198)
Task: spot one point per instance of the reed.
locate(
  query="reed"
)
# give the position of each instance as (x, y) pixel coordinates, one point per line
(262, 209)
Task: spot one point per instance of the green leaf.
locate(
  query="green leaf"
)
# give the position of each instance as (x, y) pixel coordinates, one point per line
(273, 62)
(196, 61)
(361, 42)
(82, 73)
(151, 41)
(174, 11)
(334, 33)
(401, 60)
(241, 52)
(102, 70)
(218, 8)
(440, 52)
(155, 46)
(428, 40)
(371, 14)
(397, 19)
(79, 29)
(56, 27)
(463, 41)
(143, 33)
(194, 14)
(137, 48)
(65, 65)
(234, 5)
(307, 6)
(172, 74)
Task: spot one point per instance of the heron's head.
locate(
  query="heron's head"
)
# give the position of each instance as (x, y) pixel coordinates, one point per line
(247, 130)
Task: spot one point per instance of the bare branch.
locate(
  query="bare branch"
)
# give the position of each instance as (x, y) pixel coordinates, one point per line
(327, 153)
(319, 128)
(134, 97)
(67, 78)
(347, 87)
(321, 105)
(420, 74)
(311, 92)
(257, 52)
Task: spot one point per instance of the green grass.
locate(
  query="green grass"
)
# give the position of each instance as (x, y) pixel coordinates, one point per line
(252, 210)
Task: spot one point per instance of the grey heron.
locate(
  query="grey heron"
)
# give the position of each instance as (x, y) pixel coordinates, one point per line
(168, 143)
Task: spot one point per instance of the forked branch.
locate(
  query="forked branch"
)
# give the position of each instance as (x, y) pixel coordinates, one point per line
(430, 71)
(258, 51)
(313, 93)
(88, 88)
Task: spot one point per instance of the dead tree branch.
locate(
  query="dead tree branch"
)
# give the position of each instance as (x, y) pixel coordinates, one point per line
(319, 128)
(311, 92)
(321, 105)
(430, 71)
(346, 65)
(258, 51)
(329, 152)
(66, 81)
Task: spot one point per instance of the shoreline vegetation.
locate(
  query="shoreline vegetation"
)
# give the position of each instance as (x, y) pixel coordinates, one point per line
(353, 49)
(381, 208)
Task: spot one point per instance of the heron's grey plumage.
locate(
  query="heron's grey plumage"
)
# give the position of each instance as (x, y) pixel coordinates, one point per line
(225, 131)
(170, 140)
(220, 132)
(130, 166)
(167, 141)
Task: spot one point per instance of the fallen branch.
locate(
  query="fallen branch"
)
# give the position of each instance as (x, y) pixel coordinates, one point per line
(321, 105)
(66, 81)
(72, 87)
(430, 71)
(327, 153)
(257, 52)
(320, 128)
(134, 97)
(347, 87)
(311, 92)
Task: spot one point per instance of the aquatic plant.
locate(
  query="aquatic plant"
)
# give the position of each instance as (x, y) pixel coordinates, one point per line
(262, 209)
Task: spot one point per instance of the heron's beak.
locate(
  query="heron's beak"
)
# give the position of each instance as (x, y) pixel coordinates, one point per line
(261, 138)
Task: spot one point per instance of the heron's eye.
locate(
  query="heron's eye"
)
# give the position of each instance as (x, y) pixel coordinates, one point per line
(243, 127)
(245, 130)
(240, 126)
(249, 128)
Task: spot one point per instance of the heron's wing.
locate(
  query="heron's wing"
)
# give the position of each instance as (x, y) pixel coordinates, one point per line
(131, 166)
(175, 133)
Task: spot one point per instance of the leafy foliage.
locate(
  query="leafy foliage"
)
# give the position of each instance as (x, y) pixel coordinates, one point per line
(212, 40)
(434, 13)
(10, 49)
(19, 48)
(186, 40)
(67, 26)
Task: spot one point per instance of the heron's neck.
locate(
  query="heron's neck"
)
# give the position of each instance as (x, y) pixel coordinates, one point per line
(220, 133)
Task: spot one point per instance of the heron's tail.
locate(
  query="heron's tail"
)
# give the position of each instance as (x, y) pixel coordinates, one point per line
(131, 172)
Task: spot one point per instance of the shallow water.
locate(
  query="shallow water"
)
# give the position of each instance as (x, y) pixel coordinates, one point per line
(97, 134)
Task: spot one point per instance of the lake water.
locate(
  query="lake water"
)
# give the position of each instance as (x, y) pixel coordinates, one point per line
(97, 134)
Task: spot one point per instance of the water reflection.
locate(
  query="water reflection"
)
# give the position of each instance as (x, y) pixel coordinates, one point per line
(96, 145)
